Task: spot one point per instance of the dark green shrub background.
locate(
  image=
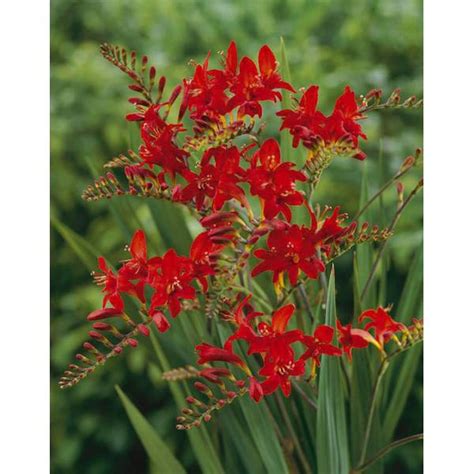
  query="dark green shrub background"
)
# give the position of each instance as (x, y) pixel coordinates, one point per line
(366, 43)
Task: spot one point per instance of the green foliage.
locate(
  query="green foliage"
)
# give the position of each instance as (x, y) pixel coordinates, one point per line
(160, 455)
(332, 440)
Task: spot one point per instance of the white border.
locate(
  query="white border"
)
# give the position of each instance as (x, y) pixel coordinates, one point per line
(449, 173)
(24, 345)
(449, 185)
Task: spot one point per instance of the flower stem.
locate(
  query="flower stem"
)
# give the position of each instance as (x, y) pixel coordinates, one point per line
(305, 299)
(395, 219)
(294, 437)
(380, 454)
(304, 395)
(382, 369)
(398, 175)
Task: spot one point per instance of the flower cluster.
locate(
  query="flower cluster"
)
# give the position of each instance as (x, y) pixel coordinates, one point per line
(314, 129)
(218, 171)
(169, 281)
(275, 346)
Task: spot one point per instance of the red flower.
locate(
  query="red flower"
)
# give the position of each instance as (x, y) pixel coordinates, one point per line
(290, 250)
(346, 113)
(171, 282)
(242, 320)
(161, 323)
(305, 120)
(203, 255)
(251, 86)
(351, 338)
(255, 389)
(204, 94)
(320, 343)
(385, 327)
(275, 335)
(209, 353)
(137, 266)
(280, 364)
(159, 146)
(218, 181)
(273, 181)
(312, 126)
(116, 284)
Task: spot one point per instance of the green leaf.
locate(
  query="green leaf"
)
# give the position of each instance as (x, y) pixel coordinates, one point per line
(362, 381)
(401, 373)
(331, 427)
(243, 444)
(83, 249)
(259, 423)
(171, 224)
(201, 443)
(413, 289)
(365, 253)
(405, 375)
(157, 450)
(120, 208)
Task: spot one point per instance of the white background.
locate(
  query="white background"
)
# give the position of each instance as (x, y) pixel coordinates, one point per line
(449, 231)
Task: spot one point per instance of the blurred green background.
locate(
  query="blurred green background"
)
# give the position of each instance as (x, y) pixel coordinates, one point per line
(366, 43)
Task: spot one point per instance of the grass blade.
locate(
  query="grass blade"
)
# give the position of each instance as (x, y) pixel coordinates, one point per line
(86, 253)
(157, 450)
(331, 428)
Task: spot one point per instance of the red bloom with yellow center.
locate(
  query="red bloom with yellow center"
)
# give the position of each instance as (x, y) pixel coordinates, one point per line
(382, 323)
(275, 334)
(273, 181)
(115, 285)
(279, 365)
(172, 282)
(218, 181)
(311, 126)
(290, 250)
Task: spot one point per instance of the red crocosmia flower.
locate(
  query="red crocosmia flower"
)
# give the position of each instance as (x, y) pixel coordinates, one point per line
(346, 110)
(255, 389)
(204, 94)
(252, 86)
(172, 282)
(116, 284)
(274, 336)
(379, 320)
(273, 181)
(161, 323)
(320, 343)
(352, 338)
(137, 266)
(280, 364)
(312, 126)
(290, 250)
(159, 147)
(305, 121)
(208, 353)
(242, 320)
(214, 374)
(203, 255)
(218, 181)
